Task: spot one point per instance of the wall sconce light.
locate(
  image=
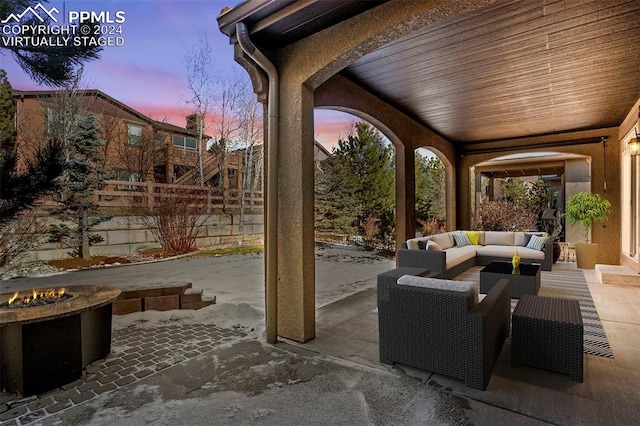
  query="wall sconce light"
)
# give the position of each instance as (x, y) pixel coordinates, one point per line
(634, 144)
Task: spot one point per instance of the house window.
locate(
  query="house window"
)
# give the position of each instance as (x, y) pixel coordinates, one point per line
(134, 133)
(184, 142)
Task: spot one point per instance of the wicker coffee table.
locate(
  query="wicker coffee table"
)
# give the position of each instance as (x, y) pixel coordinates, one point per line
(526, 282)
(547, 333)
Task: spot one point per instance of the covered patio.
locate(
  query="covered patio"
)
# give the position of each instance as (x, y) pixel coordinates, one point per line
(518, 396)
(469, 80)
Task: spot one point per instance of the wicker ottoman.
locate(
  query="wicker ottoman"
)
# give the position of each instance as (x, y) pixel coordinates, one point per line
(547, 333)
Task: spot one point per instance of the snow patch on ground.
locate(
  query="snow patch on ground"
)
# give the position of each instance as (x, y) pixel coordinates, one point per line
(234, 316)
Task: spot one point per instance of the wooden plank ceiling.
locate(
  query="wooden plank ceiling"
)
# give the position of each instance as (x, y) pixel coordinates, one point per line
(531, 67)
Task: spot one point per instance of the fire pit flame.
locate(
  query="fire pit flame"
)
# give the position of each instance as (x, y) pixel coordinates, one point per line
(35, 298)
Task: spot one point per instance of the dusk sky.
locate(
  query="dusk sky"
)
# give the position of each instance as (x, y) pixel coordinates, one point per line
(148, 72)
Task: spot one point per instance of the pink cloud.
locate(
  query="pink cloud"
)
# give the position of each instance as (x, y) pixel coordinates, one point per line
(331, 126)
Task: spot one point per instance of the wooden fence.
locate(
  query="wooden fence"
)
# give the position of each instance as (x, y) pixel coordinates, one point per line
(124, 194)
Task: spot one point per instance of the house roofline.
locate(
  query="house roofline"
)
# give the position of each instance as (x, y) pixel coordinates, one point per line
(247, 11)
(100, 94)
(322, 148)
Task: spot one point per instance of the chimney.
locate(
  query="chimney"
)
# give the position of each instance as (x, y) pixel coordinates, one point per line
(193, 121)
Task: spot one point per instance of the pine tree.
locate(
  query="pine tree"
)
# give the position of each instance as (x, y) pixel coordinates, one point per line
(430, 188)
(358, 183)
(18, 191)
(83, 174)
(7, 114)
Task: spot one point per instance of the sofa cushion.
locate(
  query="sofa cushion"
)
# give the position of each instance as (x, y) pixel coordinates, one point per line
(469, 287)
(481, 239)
(507, 252)
(461, 239)
(474, 237)
(457, 255)
(415, 243)
(432, 245)
(521, 239)
(443, 240)
(536, 242)
(498, 238)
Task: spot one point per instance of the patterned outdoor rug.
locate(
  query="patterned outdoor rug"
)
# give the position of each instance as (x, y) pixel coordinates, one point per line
(566, 285)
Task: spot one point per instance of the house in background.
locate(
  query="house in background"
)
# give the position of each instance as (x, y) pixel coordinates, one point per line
(137, 148)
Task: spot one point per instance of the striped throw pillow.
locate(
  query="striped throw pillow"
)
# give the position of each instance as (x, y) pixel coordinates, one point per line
(537, 243)
(461, 239)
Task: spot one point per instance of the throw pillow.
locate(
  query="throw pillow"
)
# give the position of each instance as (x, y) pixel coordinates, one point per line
(474, 237)
(461, 239)
(422, 245)
(521, 239)
(432, 245)
(536, 243)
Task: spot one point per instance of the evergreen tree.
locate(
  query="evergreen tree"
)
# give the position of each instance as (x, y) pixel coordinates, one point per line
(516, 191)
(334, 209)
(51, 65)
(83, 174)
(430, 188)
(358, 183)
(18, 191)
(7, 114)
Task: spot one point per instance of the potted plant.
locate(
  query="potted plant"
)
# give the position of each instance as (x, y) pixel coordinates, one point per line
(584, 209)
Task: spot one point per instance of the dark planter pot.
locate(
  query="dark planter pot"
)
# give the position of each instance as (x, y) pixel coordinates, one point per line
(557, 250)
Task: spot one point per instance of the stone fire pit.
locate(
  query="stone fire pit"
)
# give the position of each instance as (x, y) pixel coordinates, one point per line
(44, 347)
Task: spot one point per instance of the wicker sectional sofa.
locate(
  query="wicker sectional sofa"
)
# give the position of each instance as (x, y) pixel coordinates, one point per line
(443, 256)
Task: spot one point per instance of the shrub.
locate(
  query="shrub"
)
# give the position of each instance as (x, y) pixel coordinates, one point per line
(175, 217)
(432, 226)
(503, 216)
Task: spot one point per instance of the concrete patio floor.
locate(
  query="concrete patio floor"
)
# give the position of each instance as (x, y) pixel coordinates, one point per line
(609, 395)
(211, 375)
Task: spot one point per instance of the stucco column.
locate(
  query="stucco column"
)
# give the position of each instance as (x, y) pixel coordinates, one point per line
(405, 194)
(296, 239)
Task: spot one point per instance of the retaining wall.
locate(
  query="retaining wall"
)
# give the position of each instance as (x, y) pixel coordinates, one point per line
(127, 235)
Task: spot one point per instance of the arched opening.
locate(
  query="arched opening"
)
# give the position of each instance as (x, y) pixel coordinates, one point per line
(431, 192)
(354, 203)
(528, 191)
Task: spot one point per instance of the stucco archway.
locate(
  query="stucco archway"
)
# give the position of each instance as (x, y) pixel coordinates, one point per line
(307, 68)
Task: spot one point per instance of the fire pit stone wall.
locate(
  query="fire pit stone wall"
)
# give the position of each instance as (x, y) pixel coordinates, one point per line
(47, 346)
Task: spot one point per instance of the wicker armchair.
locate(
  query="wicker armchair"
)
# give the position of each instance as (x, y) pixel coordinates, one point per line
(443, 331)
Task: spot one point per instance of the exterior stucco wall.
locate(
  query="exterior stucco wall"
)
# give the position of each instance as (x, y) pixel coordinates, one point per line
(602, 159)
(405, 133)
(631, 120)
(302, 67)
